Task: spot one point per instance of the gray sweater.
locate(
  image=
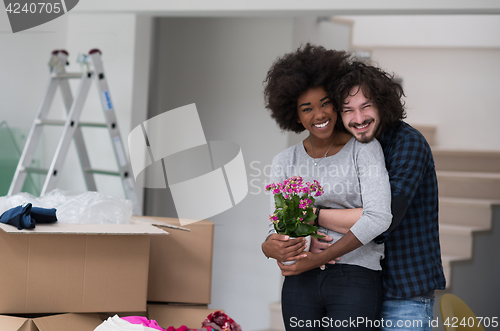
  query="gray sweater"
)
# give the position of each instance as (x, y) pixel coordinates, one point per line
(354, 177)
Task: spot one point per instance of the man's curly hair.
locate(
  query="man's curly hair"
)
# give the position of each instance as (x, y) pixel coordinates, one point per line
(295, 73)
(378, 86)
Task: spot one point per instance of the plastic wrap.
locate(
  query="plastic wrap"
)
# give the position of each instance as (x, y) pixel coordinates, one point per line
(76, 208)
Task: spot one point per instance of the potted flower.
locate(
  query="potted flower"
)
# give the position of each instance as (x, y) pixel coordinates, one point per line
(294, 214)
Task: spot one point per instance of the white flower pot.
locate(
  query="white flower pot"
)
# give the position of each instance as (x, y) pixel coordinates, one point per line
(308, 245)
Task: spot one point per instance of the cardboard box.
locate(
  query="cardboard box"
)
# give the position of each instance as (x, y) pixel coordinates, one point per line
(74, 268)
(177, 315)
(73, 322)
(106, 315)
(180, 265)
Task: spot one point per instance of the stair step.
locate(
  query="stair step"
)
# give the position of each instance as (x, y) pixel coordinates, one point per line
(456, 240)
(472, 185)
(469, 212)
(479, 161)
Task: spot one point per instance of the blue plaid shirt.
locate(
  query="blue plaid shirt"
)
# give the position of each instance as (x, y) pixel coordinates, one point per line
(412, 264)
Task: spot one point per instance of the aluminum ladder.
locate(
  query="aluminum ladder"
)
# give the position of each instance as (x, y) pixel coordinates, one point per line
(92, 69)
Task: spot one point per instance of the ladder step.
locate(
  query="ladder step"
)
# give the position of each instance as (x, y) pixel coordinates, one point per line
(61, 123)
(68, 75)
(35, 170)
(103, 172)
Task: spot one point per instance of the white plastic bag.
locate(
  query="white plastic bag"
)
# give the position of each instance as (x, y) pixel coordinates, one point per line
(80, 208)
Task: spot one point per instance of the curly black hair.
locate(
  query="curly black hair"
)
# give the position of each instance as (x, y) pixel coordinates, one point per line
(378, 86)
(293, 74)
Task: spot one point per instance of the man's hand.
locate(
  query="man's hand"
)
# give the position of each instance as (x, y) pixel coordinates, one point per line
(305, 264)
(282, 248)
(319, 245)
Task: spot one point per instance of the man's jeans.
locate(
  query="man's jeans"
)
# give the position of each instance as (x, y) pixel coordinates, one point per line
(407, 314)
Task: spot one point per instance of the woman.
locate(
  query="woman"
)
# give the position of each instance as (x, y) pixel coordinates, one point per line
(353, 176)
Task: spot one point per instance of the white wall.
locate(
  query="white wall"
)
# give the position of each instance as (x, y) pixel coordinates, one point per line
(469, 31)
(24, 70)
(326, 32)
(220, 64)
(450, 67)
(453, 89)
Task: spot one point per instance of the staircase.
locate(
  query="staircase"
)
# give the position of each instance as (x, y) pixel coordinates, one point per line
(469, 188)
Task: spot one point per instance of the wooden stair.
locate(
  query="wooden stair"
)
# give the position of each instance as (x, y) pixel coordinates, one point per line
(469, 187)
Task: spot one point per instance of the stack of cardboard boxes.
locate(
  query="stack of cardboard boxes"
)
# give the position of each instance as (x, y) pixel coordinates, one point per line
(70, 272)
(180, 275)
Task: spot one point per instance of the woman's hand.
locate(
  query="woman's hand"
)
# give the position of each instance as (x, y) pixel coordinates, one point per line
(282, 248)
(305, 264)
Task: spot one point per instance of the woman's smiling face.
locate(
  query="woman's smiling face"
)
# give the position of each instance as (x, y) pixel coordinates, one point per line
(316, 114)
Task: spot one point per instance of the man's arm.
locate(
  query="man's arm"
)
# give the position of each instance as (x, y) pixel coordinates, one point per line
(338, 220)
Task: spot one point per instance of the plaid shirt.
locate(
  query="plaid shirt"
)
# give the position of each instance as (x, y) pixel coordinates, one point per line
(412, 264)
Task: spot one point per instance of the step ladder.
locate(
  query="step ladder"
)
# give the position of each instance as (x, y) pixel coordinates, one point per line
(92, 69)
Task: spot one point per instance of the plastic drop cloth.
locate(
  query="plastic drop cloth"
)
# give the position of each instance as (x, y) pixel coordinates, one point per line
(76, 208)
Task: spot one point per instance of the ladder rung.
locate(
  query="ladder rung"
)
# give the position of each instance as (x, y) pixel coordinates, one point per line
(68, 75)
(103, 172)
(61, 123)
(35, 170)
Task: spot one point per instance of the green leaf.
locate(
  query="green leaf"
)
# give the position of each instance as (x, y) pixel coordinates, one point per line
(291, 225)
(317, 236)
(295, 202)
(302, 230)
(279, 227)
(279, 200)
(310, 218)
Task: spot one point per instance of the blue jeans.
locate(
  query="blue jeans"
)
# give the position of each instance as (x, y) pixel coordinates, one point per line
(341, 297)
(413, 314)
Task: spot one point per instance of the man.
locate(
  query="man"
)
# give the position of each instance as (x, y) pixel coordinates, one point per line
(371, 107)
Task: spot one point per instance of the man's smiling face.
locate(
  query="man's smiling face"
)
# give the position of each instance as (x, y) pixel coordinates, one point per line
(360, 115)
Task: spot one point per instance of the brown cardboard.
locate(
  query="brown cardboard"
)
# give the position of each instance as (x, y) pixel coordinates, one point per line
(73, 268)
(105, 316)
(180, 265)
(177, 315)
(64, 322)
(10, 323)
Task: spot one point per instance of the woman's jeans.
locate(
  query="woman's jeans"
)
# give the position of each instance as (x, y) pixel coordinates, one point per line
(341, 297)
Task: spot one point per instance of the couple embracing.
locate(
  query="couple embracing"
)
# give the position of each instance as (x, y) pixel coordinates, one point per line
(380, 261)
